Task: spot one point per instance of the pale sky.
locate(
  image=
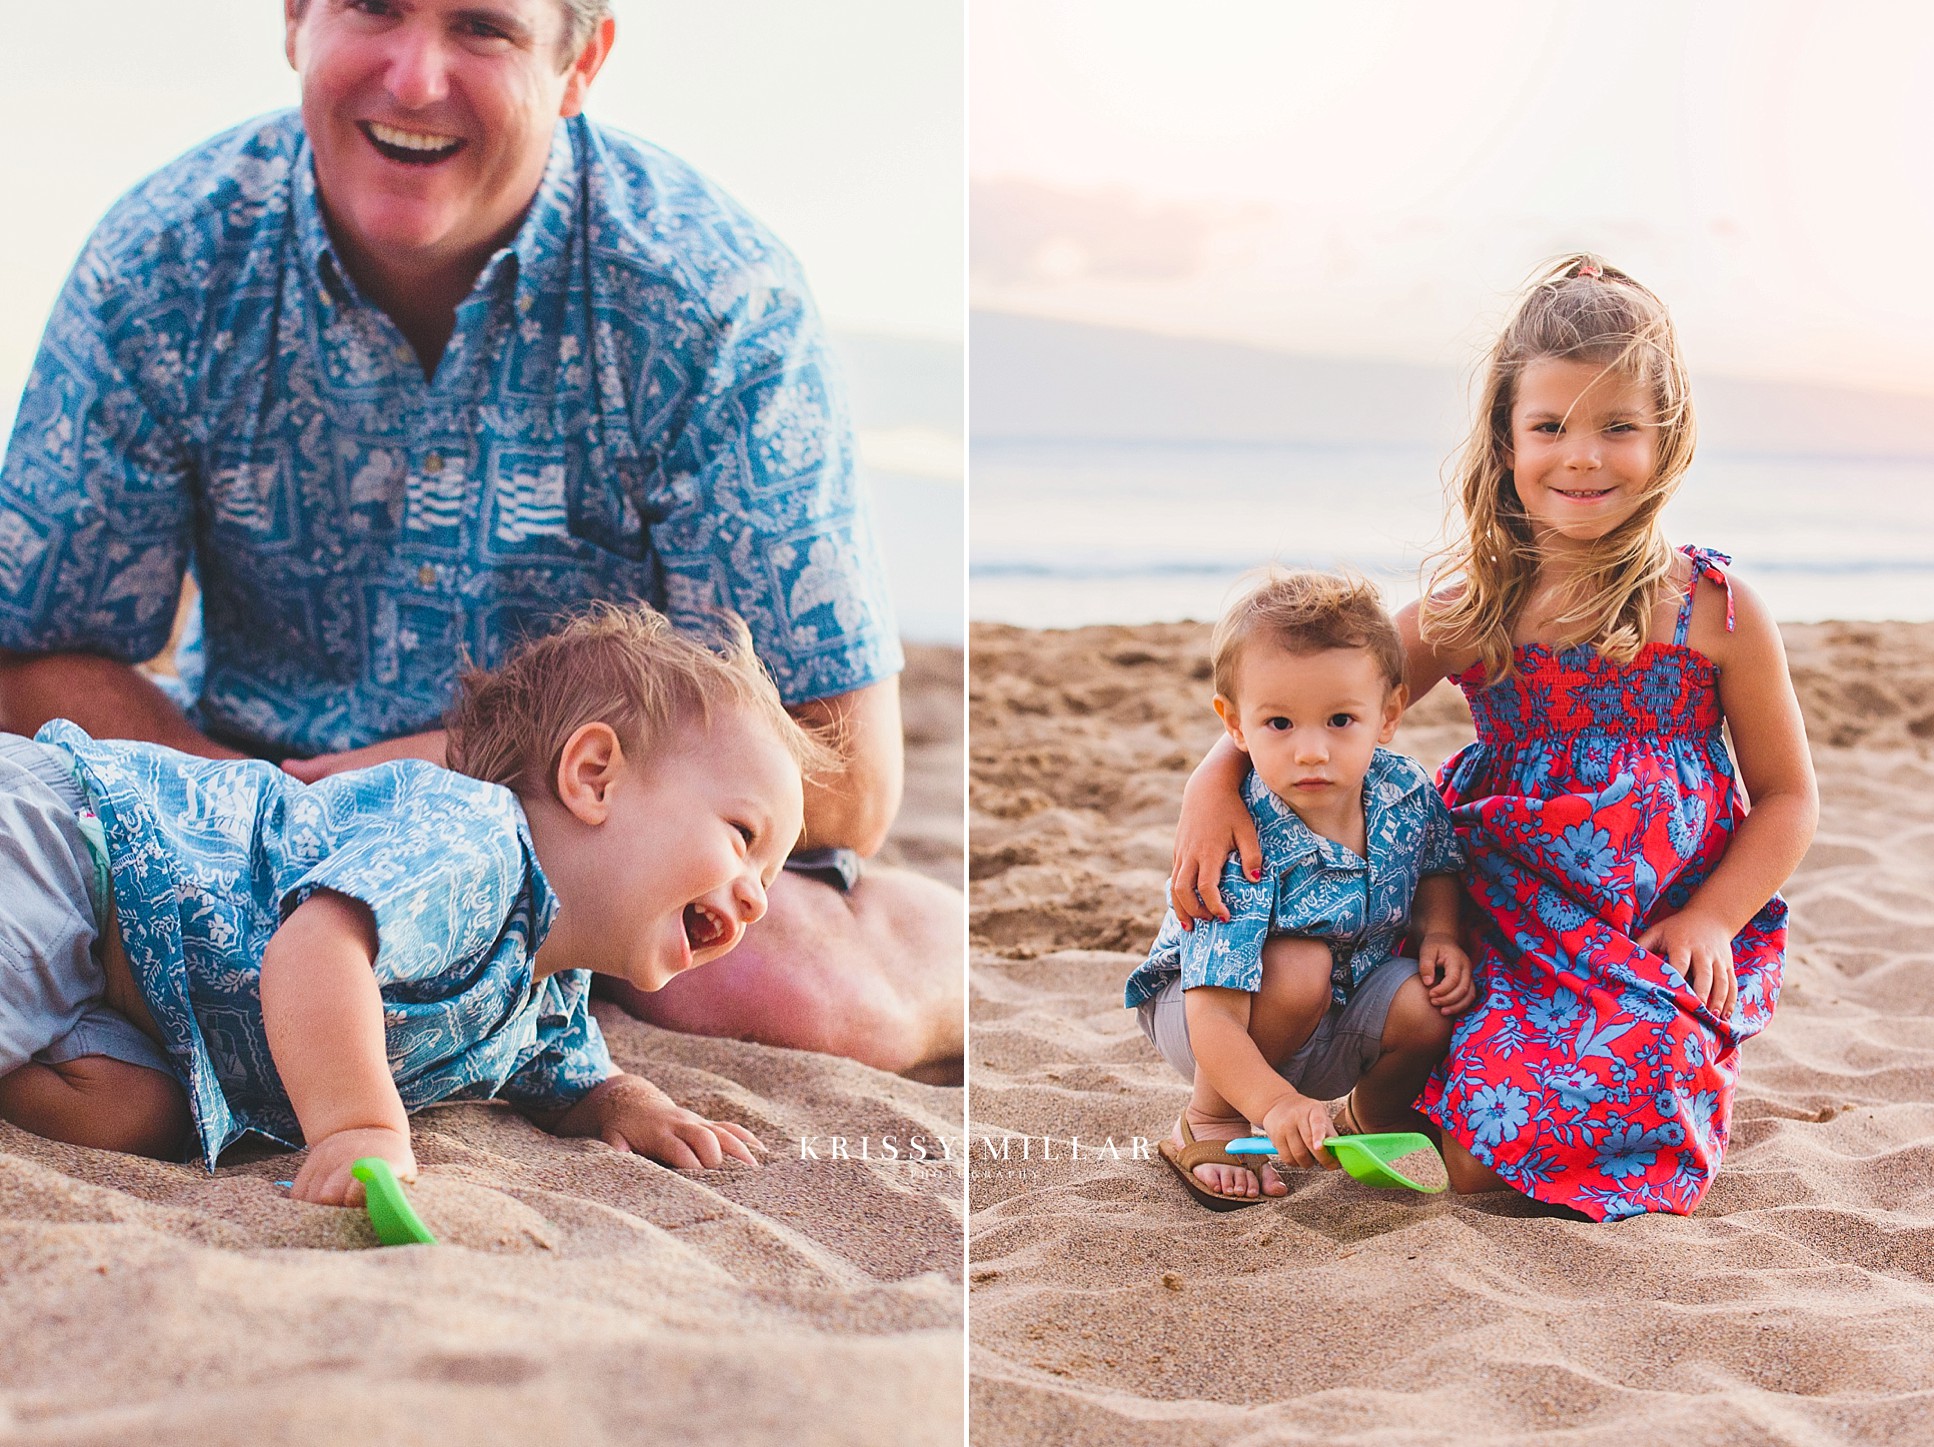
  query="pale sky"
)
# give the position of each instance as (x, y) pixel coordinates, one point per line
(1377, 179)
(839, 123)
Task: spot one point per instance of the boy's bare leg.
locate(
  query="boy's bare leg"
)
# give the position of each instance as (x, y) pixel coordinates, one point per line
(878, 975)
(1415, 1037)
(1283, 1013)
(98, 1101)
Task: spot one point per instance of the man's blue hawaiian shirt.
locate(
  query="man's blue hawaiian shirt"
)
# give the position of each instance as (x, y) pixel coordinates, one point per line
(636, 404)
(209, 856)
(1315, 888)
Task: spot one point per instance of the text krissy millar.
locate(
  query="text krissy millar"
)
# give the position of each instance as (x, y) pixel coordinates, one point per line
(992, 1148)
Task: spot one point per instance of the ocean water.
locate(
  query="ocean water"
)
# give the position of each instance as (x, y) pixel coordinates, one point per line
(1068, 533)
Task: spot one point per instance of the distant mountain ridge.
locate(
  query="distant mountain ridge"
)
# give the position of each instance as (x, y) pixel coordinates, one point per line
(1042, 381)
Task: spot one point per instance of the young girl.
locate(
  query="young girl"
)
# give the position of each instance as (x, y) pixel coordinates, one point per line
(1621, 897)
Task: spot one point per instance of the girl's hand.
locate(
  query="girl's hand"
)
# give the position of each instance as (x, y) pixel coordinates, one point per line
(1214, 824)
(1701, 949)
(324, 1177)
(1446, 972)
(629, 1113)
(1297, 1126)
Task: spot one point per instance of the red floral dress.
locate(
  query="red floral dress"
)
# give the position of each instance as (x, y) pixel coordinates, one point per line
(1596, 799)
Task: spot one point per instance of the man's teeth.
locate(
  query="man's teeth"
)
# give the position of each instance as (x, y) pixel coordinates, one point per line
(412, 140)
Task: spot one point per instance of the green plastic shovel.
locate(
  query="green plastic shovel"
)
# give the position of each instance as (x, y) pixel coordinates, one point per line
(396, 1223)
(1366, 1157)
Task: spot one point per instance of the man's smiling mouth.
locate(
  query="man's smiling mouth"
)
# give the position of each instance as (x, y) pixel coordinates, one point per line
(410, 148)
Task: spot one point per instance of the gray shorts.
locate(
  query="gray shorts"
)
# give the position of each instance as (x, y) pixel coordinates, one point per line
(1346, 1041)
(51, 984)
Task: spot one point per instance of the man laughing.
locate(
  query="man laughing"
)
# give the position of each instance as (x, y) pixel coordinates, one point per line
(405, 376)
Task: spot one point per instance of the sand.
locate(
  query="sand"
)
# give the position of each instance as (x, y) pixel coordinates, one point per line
(580, 1295)
(1796, 1305)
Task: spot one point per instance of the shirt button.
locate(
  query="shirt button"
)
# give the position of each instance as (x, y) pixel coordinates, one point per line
(426, 575)
(433, 464)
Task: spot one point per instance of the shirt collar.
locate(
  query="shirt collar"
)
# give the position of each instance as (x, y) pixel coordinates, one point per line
(1286, 839)
(537, 248)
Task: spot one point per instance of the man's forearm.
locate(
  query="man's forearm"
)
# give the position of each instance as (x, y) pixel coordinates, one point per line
(854, 808)
(109, 699)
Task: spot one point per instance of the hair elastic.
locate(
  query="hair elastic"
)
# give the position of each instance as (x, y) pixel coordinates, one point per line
(1591, 269)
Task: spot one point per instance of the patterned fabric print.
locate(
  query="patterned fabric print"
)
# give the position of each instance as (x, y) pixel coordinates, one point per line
(637, 402)
(1596, 799)
(209, 856)
(1315, 888)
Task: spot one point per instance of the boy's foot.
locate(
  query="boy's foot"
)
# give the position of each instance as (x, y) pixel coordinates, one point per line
(1224, 1179)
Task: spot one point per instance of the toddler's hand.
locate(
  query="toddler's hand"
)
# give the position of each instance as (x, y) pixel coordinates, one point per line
(1297, 1126)
(1700, 949)
(632, 1114)
(324, 1177)
(1446, 972)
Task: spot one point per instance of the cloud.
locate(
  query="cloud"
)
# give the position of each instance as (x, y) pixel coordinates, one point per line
(1023, 231)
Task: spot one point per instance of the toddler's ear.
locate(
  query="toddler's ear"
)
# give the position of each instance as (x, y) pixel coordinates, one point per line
(1231, 720)
(589, 765)
(1394, 704)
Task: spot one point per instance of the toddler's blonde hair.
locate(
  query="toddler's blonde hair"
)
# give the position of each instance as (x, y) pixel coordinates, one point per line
(625, 666)
(1578, 309)
(1305, 612)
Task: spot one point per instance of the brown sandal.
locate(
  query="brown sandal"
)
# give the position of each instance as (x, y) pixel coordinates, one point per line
(1192, 1153)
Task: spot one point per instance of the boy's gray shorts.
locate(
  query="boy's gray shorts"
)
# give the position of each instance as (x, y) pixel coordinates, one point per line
(51, 984)
(1346, 1042)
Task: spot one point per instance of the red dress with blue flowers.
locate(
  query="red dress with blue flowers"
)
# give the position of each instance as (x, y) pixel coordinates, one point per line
(1596, 799)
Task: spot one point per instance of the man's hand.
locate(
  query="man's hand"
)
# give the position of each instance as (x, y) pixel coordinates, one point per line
(1701, 949)
(1297, 1126)
(1446, 972)
(324, 1177)
(409, 746)
(629, 1113)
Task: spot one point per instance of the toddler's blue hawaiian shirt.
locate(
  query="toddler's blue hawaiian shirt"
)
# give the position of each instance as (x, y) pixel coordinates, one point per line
(209, 856)
(1315, 888)
(637, 403)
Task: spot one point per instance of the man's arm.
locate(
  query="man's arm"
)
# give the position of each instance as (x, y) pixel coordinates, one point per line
(109, 699)
(854, 808)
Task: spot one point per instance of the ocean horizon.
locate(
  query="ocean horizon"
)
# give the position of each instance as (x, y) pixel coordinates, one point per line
(1075, 531)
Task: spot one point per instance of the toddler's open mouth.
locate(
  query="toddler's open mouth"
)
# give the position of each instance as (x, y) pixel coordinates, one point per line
(706, 928)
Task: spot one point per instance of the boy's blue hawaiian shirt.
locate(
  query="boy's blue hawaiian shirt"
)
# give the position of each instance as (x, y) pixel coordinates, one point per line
(210, 855)
(637, 403)
(1315, 888)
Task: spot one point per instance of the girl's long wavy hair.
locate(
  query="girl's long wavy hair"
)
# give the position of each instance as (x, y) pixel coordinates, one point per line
(1578, 309)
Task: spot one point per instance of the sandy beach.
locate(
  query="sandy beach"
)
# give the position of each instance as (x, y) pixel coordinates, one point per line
(1795, 1306)
(580, 1295)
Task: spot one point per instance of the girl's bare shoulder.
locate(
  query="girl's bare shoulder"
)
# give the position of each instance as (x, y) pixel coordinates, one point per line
(1426, 659)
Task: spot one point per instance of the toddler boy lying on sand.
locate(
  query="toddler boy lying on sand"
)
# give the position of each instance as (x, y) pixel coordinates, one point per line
(1295, 994)
(194, 943)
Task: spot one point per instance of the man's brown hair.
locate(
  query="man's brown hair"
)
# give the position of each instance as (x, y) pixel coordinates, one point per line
(581, 17)
(622, 666)
(1306, 612)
